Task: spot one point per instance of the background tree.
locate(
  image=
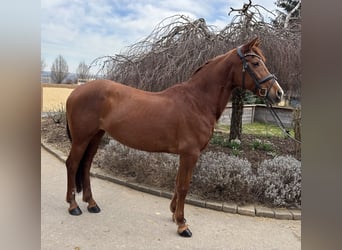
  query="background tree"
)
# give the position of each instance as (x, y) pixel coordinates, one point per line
(247, 20)
(59, 70)
(289, 21)
(82, 71)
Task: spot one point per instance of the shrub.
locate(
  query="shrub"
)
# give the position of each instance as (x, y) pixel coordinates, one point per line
(155, 169)
(223, 177)
(217, 175)
(279, 181)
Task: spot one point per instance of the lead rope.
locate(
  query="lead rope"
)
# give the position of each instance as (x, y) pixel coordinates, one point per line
(279, 122)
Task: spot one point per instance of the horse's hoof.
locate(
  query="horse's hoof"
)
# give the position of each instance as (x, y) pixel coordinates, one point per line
(94, 209)
(186, 233)
(75, 211)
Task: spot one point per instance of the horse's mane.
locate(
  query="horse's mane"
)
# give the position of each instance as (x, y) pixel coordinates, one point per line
(206, 63)
(255, 49)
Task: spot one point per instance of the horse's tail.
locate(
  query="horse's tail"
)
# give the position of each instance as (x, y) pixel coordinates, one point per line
(79, 172)
(68, 130)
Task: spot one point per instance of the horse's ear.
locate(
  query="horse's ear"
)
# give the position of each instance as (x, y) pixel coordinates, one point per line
(255, 42)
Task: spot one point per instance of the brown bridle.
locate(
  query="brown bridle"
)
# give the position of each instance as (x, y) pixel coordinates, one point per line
(245, 67)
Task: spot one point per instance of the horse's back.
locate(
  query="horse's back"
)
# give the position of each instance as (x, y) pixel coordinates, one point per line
(124, 112)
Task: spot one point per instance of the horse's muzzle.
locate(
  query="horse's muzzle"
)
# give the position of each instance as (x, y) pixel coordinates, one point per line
(275, 94)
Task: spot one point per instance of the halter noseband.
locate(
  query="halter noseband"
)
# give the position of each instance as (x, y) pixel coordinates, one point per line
(257, 82)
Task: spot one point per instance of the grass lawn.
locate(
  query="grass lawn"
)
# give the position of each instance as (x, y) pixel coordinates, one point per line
(257, 128)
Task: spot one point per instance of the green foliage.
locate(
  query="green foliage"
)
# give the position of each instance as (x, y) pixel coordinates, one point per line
(220, 140)
(250, 98)
(235, 145)
(257, 128)
(223, 141)
(258, 144)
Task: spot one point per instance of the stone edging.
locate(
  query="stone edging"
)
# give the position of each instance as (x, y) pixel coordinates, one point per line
(250, 210)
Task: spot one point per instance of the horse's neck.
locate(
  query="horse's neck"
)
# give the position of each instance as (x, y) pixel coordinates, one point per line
(211, 87)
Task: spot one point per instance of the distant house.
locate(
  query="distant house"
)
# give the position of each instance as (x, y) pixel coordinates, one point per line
(45, 77)
(83, 81)
(71, 78)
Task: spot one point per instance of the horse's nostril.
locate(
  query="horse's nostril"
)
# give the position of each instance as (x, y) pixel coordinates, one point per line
(279, 93)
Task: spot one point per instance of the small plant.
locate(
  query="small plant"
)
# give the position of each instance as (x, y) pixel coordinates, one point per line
(220, 140)
(258, 144)
(58, 114)
(235, 145)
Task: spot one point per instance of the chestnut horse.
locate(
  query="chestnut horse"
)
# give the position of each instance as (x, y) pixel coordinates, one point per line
(178, 120)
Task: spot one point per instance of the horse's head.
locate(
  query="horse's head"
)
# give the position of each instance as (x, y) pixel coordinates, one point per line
(255, 75)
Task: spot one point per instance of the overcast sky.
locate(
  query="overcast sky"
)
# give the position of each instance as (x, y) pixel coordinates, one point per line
(84, 30)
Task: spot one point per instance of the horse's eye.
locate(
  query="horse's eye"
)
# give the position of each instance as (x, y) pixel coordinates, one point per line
(255, 63)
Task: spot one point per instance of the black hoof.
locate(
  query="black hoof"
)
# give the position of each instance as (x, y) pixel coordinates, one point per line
(94, 209)
(75, 211)
(186, 233)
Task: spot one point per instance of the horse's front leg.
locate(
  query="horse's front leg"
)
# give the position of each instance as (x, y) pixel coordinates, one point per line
(174, 201)
(187, 164)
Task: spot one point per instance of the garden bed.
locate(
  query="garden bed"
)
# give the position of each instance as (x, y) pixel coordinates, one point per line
(262, 169)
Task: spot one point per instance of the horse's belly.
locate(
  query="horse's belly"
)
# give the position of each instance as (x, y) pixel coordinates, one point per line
(147, 137)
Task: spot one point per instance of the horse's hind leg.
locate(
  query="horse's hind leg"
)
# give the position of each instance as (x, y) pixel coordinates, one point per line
(72, 165)
(86, 164)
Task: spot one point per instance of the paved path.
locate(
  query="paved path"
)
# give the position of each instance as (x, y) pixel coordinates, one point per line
(134, 220)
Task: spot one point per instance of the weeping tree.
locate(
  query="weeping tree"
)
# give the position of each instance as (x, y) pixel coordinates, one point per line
(170, 54)
(179, 45)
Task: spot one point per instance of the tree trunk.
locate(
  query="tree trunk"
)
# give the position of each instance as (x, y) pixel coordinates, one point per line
(237, 111)
(297, 130)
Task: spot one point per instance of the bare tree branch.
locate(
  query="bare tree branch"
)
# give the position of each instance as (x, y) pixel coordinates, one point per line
(289, 15)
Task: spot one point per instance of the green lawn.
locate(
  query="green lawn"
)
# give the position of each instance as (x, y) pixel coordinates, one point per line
(257, 128)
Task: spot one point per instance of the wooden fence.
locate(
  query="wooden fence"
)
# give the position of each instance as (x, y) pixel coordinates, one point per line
(259, 113)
